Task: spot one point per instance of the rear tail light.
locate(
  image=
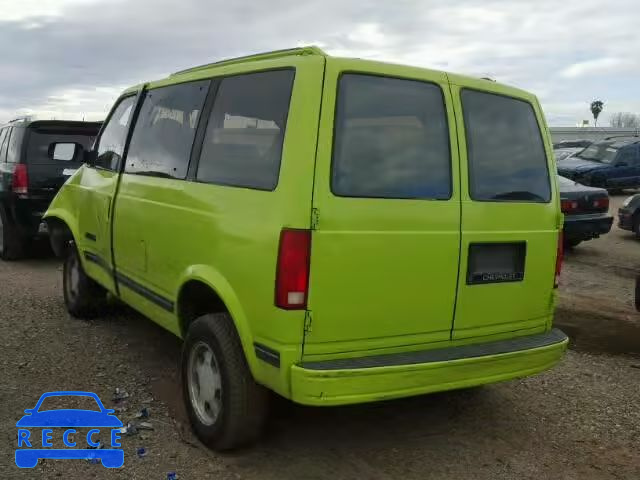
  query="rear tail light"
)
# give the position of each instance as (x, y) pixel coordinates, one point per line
(559, 259)
(601, 203)
(292, 274)
(568, 206)
(20, 183)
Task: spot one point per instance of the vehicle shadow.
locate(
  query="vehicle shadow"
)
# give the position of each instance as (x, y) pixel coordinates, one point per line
(417, 420)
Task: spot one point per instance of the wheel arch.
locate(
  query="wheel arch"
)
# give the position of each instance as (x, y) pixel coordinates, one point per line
(62, 229)
(204, 290)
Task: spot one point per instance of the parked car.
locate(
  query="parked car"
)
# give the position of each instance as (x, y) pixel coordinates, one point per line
(586, 211)
(629, 215)
(579, 143)
(613, 163)
(30, 176)
(307, 225)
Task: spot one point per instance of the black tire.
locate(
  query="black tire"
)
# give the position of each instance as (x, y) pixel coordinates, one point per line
(83, 297)
(12, 246)
(572, 243)
(636, 225)
(241, 404)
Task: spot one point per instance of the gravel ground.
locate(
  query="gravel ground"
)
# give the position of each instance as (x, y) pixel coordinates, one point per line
(596, 306)
(578, 421)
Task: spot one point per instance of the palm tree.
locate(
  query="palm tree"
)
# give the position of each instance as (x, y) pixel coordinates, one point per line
(596, 108)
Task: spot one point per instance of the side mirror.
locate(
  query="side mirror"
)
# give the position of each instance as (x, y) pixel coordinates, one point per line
(29, 411)
(89, 157)
(64, 152)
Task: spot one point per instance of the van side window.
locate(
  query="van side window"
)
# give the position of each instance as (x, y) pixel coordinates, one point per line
(391, 139)
(3, 135)
(14, 144)
(114, 134)
(243, 142)
(506, 155)
(164, 132)
(5, 145)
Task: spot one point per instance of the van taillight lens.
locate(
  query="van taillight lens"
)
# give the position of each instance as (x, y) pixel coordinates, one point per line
(559, 259)
(20, 183)
(292, 274)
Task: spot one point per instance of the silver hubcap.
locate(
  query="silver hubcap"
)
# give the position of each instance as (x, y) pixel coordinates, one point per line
(73, 277)
(204, 381)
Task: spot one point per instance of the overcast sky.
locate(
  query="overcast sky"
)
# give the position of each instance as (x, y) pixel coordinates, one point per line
(69, 58)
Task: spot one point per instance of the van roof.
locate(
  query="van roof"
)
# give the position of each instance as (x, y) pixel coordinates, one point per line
(311, 50)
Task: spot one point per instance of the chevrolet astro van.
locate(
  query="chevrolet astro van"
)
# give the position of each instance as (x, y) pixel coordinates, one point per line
(333, 230)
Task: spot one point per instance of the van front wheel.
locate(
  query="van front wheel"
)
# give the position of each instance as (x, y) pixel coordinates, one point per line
(83, 297)
(227, 408)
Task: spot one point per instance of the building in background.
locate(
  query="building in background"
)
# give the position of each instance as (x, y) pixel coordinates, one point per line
(589, 133)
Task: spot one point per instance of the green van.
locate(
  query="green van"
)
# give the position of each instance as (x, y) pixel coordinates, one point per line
(334, 230)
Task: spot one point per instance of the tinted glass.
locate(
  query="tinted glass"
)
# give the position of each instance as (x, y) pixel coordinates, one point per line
(114, 134)
(15, 142)
(245, 132)
(507, 160)
(163, 134)
(39, 143)
(391, 139)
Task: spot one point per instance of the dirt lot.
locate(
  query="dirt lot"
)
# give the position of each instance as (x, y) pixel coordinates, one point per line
(578, 421)
(596, 296)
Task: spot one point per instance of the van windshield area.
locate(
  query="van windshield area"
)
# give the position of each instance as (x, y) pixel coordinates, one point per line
(506, 155)
(603, 152)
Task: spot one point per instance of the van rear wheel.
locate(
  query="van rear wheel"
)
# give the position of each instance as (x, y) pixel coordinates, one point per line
(227, 408)
(83, 297)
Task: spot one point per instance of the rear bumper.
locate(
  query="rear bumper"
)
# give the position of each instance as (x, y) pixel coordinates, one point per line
(586, 227)
(26, 215)
(384, 377)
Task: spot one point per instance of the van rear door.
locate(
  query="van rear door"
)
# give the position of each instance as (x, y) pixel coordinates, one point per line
(386, 211)
(510, 212)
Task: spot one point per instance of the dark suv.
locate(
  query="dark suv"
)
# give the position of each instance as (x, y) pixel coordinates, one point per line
(31, 173)
(612, 163)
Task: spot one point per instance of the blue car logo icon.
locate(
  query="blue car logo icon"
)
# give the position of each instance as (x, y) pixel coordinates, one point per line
(28, 453)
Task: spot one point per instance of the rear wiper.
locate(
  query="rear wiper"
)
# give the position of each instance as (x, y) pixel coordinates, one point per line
(518, 195)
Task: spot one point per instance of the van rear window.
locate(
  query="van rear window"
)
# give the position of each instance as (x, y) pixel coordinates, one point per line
(507, 160)
(391, 139)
